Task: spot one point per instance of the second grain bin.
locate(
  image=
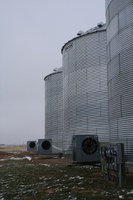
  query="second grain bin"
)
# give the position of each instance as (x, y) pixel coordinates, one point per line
(54, 108)
(119, 16)
(85, 86)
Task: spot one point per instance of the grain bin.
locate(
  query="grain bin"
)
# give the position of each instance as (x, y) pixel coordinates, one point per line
(54, 108)
(85, 86)
(119, 17)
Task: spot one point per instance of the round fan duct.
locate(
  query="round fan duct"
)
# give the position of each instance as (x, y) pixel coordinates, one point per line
(46, 145)
(32, 144)
(86, 148)
(89, 145)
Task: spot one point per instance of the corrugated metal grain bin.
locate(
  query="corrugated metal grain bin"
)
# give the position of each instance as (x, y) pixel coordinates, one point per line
(119, 17)
(85, 86)
(54, 108)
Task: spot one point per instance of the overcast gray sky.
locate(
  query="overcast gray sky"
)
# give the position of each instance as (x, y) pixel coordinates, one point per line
(32, 33)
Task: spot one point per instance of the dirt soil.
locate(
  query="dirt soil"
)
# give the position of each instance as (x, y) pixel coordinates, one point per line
(8, 152)
(29, 176)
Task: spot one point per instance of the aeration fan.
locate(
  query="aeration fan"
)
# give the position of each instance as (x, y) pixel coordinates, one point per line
(86, 148)
(45, 146)
(31, 146)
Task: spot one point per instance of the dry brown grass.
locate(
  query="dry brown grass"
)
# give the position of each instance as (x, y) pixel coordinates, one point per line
(13, 148)
(49, 177)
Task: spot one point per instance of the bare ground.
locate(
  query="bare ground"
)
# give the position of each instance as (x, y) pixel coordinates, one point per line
(39, 177)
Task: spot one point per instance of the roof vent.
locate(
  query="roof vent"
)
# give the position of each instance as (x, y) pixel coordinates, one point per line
(55, 69)
(100, 24)
(80, 33)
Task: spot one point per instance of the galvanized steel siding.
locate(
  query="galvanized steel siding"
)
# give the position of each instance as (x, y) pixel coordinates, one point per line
(85, 87)
(119, 15)
(54, 108)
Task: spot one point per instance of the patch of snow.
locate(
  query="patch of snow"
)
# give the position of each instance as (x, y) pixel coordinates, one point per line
(16, 158)
(80, 183)
(1, 197)
(72, 178)
(46, 165)
(3, 159)
(106, 193)
(13, 158)
(28, 157)
(79, 177)
(76, 177)
(10, 175)
(121, 197)
(65, 187)
(22, 186)
(130, 192)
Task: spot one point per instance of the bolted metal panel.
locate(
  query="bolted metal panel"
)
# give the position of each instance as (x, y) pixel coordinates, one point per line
(85, 86)
(113, 7)
(119, 15)
(111, 32)
(54, 107)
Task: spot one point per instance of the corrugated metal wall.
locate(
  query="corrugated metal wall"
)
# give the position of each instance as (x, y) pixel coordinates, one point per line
(54, 108)
(119, 15)
(85, 87)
